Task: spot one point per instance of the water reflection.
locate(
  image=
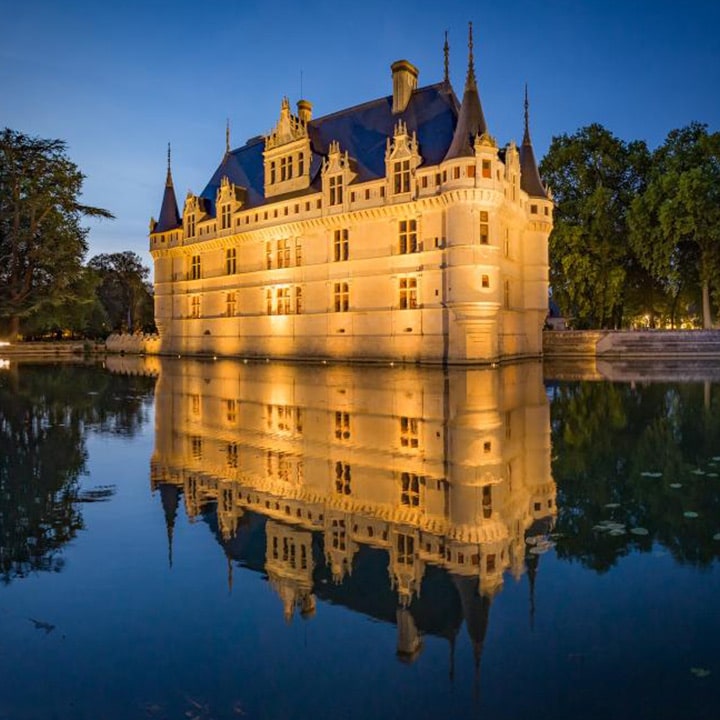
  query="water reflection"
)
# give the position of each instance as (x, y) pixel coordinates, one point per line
(404, 493)
(46, 412)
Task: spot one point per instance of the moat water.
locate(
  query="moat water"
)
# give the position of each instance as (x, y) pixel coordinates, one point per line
(188, 539)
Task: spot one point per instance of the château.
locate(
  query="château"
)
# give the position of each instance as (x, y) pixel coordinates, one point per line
(397, 229)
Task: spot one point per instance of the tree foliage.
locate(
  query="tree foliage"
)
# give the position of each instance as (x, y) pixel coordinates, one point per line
(42, 242)
(594, 177)
(675, 224)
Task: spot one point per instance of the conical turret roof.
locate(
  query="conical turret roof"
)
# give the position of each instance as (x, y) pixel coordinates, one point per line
(471, 119)
(530, 180)
(169, 216)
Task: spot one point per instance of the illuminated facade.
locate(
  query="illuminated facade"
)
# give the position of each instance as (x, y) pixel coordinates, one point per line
(396, 229)
(432, 469)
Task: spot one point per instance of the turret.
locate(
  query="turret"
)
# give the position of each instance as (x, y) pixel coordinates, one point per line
(530, 180)
(169, 218)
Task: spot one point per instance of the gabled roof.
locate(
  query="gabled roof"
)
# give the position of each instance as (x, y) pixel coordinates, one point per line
(169, 216)
(362, 131)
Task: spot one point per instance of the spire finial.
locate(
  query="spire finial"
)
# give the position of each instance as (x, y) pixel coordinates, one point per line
(168, 181)
(446, 52)
(227, 136)
(526, 136)
(471, 59)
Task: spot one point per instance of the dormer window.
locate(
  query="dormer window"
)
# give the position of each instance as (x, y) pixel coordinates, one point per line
(336, 190)
(272, 173)
(190, 231)
(401, 171)
(225, 216)
(301, 163)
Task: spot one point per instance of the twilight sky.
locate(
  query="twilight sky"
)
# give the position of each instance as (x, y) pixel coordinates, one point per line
(118, 81)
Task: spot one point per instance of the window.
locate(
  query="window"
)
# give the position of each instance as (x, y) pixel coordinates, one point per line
(485, 281)
(231, 410)
(533, 209)
(231, 261)
(225, 221)
(341, 245)
(367, 194)
(286, 168)
(196, 444)
(282, 295)
(486, 169)
(342, 478)
(298, 252)
(232, 455)
(195, 404)
(191, 225)
(408, 236)
(283, 253)
(195, 306)
(506, 245)
(342, 425)
(268, 255)
(456, 173)
(272, 174)
(409, 432)
(408, 293)
(336, 190)
(506, 294)
(406, 549)
(401, 174)
(301, 164)
(338, 534)
(341, 294)
(424, 181)
(471, 171)
(487, 501)
(298, 300)
(195, 267)
(484, 228)
(410, 489)
(269, 301)
(230, 304)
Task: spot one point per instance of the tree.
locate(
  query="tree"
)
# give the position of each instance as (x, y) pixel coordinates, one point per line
(124, 290)
(593, 176)
(675, 223)
(42, 244)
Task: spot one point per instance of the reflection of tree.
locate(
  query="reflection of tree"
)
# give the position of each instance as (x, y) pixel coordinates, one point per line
(45, 413)
(618, 450)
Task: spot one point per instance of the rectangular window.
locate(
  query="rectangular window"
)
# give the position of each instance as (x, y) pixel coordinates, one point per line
(336, 190)
(195, 306)
(268, 255)
(231, 410)
(506, 294)
(225, 212)
(424, 181)
(195, 267)
(191, 225)
(506, 245)
(282, 297)
(471, 171)
(298, 300)
(367, 194)
(342, 478)
(406, 549)
(456, 173)
(409, 427)
(486, 169)
(232, 455)
(484, 228)
(301, 164)
(298, 252)
(401, 173)
(408, 293)
(486, 281)
(341, 245)
(408, 236)
(533, 209)
(269, 301)
(230, 304)
(272, 175)
(231, 261)
(342, 425)
(284, 169)
(410, 489)
(283, 253)
(341, 297)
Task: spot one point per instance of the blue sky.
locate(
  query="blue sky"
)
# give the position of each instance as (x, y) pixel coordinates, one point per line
(119, 81)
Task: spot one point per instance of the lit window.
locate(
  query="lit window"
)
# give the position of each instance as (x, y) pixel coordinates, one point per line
(231, 261)
(298, 252)
(456, 173)
(342, 478)
(506, 294)
(341, 297)
(484, 228)
(341, 245)
(485, 281)
(283, 253)
(231, 410)
(533, 209)
(406, 549)
(196, 443)
(298, 300)
(342, 425)
(232, 455)
(471, 171)
(410, 494)
(408, 236)
(195, 267)
(225, 217)
(336, 190)
(195, 306)
(230, 304)
(282, 297)
(409, 427)
(191, 225)
(401, 173)
(269, 301)
(486, 169)
(408, 293)
(268, 255)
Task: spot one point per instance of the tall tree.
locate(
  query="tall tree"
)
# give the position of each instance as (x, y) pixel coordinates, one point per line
(675, 223)
(124, 290)
(42, 243)
(593, 176)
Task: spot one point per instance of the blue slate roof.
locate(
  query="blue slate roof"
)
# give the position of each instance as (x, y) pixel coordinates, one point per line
(362, 131)
(169, 216)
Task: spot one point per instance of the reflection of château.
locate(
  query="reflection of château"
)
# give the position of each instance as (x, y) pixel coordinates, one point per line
(446, 469)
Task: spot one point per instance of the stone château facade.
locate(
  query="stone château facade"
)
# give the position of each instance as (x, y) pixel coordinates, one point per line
(397, 229)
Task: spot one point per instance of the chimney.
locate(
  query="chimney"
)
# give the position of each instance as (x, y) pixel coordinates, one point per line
(304, 111)
(405, 76)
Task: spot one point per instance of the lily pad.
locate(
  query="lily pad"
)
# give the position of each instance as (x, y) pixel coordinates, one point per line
(716, 536)
(700, 672)
(612, 506)
(617, 532)
(698, 471)
(675, 485)
(690, 514)
(713, 474)
(651, 474)
(639, 531)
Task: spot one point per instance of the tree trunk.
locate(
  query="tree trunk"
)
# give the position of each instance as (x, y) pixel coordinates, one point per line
(707, 318)
(14, 327)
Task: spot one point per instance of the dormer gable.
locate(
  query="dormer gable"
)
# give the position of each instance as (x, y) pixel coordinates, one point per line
(194, 210)
(287, 153)
(337, 174)
(228, 200)
(402, 158)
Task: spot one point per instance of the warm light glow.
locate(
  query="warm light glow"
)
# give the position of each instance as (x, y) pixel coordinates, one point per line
(4, 364)
(4, 343)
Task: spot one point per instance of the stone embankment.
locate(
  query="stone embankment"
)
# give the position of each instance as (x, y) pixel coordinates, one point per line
(41, 349)
(137, 344)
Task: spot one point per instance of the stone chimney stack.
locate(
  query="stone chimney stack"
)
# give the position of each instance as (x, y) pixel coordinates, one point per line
(304, 111)
(405, 76)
